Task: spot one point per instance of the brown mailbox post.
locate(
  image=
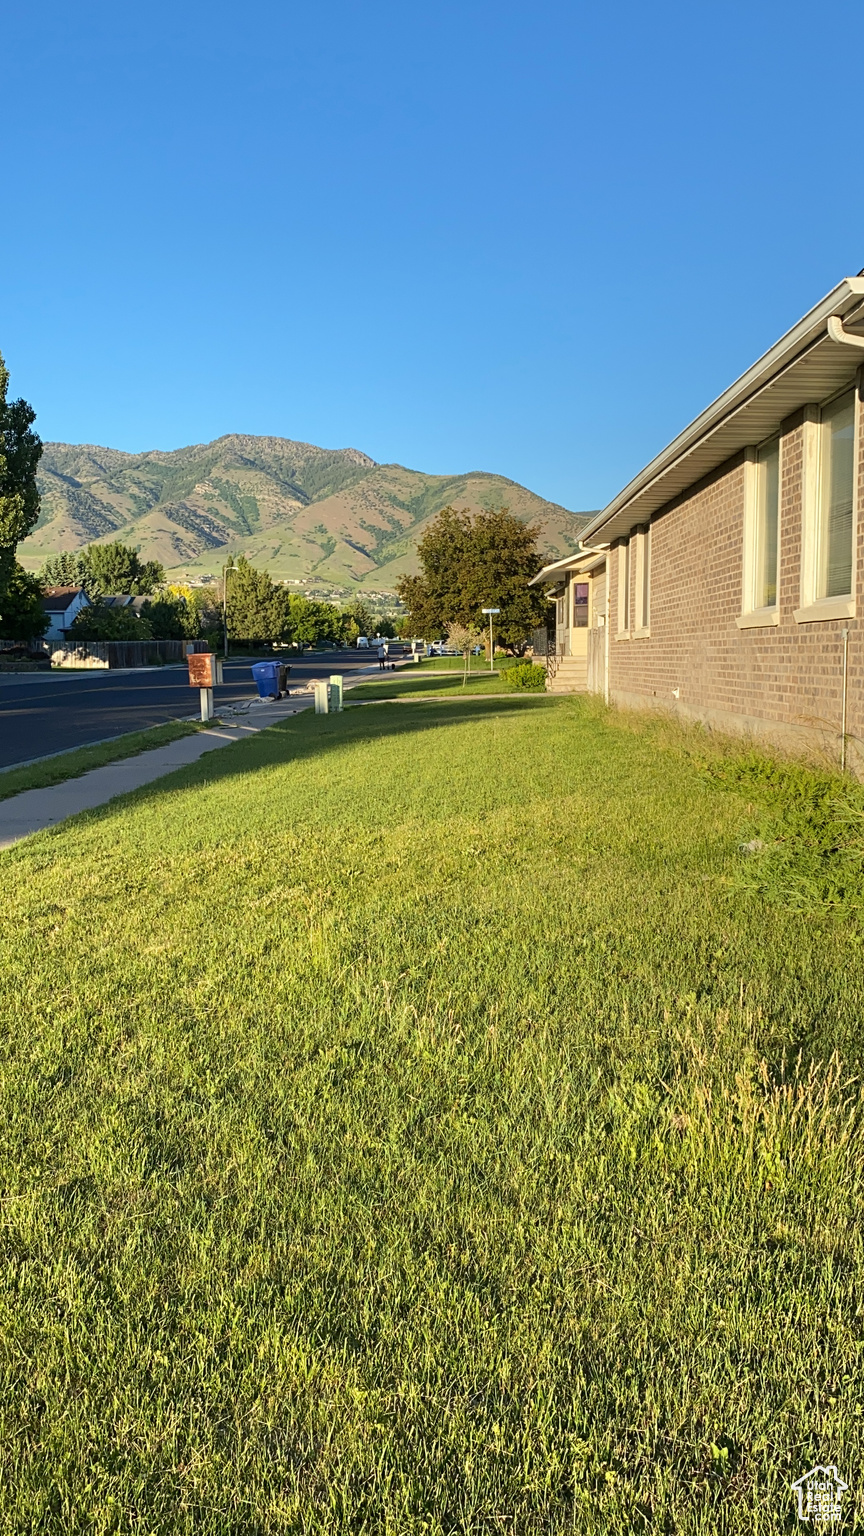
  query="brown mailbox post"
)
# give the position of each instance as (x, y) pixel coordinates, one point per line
(205, 673)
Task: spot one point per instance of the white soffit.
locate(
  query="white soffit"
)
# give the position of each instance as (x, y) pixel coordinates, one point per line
(806, 366)
(583, 562)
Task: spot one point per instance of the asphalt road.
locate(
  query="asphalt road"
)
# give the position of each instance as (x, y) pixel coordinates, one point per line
(44, 712)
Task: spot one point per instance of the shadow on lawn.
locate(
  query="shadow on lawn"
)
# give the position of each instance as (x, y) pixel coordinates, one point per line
(308, 735)
(416, 683)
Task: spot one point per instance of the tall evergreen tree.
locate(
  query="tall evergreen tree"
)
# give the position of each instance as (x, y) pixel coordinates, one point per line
(20, 451)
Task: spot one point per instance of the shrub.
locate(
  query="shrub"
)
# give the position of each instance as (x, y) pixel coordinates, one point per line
(526, 676)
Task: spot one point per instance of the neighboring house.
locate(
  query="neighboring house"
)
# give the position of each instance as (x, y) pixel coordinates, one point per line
(735, 559)
(576, 586)
(62, 604)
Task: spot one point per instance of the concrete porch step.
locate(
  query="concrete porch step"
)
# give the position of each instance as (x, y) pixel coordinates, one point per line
(571, 676)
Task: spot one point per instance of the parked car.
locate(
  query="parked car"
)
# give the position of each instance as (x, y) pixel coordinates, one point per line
(362, 642)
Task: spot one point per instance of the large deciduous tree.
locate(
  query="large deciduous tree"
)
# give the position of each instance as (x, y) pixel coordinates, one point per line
(470, 563)
(20, 451)
(115, 569)
(22, 616)
(104, 570)
(99, 622)
(311, 623)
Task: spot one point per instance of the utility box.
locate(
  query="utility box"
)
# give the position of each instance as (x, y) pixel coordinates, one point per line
(322, 696)
(336, 694)
(205, 670)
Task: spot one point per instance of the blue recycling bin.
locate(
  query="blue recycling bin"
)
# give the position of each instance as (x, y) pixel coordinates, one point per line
(269, 676)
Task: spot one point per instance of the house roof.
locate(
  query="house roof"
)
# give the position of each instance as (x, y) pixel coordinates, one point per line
(58, 599)
(583, 560)
(804, 366)
(125, 600)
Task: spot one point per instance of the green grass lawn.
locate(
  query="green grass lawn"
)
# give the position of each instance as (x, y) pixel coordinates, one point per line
(427, 1120)
(71, 765)
(402, 685)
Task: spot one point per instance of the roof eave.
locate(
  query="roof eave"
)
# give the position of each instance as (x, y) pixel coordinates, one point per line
(846, 296)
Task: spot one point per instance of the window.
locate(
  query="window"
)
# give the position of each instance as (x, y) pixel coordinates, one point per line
(828, 528)
(761, 534)
(624, 589)
(580, 605)
(767, 523)
(643, 580)
(836, 472)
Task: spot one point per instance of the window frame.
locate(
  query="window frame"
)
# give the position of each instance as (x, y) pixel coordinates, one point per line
(755, 615)
(642, 593)
(578, 581)
(622, 631)
(813, 606)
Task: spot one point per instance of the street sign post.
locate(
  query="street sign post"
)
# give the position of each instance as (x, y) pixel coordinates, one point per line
(490, 612)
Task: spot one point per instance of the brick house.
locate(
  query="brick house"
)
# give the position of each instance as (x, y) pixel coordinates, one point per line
(731, 569)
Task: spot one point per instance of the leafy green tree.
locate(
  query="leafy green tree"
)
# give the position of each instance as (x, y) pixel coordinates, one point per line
(99, 622)
(168, 618)
(468, 564)
(362, 616)
(258, 609)
(115, 569)
(20, 451)
(313, 623)
(23, 617)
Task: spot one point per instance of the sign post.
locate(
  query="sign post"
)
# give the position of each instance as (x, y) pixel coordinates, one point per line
(490, 612)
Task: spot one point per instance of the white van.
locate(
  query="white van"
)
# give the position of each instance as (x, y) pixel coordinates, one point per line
(362, 642)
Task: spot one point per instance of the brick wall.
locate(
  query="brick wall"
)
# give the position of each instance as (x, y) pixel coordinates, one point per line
(781, 683)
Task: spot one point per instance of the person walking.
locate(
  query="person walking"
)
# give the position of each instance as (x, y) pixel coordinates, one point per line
(381, 657)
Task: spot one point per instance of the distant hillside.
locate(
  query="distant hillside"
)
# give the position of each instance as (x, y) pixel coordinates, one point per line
(310, 514)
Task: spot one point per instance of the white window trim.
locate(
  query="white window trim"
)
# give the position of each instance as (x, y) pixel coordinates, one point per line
(815, 609)
(623, 630)
(752, 617)
(642, 629)
(759, 618)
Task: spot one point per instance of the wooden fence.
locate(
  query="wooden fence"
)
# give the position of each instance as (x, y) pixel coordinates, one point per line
(100, 654)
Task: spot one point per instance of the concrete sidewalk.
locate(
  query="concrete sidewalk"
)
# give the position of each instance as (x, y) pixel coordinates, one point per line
(36, 809)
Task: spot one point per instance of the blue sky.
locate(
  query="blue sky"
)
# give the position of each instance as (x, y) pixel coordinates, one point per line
(530, 238)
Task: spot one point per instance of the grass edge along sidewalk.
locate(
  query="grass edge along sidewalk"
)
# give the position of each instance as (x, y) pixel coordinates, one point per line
(60, 766)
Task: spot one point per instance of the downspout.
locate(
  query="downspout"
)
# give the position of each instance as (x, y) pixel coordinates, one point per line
(838, 332)
(845, 634)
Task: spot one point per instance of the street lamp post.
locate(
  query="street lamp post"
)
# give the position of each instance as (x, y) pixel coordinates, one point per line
(225, 570)
(490, 612)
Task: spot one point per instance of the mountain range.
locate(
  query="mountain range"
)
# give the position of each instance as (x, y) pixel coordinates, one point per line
(312, 515)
